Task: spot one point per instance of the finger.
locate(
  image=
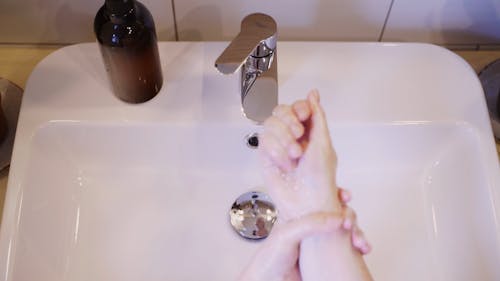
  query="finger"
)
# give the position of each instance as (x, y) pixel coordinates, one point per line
(286, 114)
(318, 114)
(297, 230)
(294, 275)
(275, 126)
(344, 195)
(367, 248)
(302, 110)
(359, 241)
(349, 218)
(276, 154)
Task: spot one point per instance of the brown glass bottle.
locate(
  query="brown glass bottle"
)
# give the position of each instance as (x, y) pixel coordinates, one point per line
(498, 103)
(126, 35)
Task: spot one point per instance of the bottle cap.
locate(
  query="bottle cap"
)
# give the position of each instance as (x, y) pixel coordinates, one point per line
(119, 7)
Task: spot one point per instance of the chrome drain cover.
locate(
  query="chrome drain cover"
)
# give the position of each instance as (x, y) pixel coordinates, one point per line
(253, 215)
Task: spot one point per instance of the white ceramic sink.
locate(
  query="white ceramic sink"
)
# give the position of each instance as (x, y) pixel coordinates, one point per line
(103, 190)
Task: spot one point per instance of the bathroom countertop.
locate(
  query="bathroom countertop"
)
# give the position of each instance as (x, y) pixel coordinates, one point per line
(17, 62)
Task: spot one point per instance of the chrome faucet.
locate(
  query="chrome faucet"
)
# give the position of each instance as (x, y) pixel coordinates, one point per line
(254, 51)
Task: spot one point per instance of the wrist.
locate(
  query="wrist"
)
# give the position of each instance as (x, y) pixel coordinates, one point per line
(329, 202)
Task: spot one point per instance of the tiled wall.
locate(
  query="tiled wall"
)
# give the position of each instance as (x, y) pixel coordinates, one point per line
(465, 23)
(451, 22)
(297, 20)
(66, 21)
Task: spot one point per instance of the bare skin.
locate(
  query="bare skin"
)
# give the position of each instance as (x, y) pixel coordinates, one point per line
(300, 169)
(278, 258)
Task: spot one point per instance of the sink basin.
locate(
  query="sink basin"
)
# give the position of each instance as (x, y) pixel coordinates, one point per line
(152, 199)
(103, 190)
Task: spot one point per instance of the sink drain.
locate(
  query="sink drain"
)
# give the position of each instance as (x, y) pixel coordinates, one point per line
(253, 215)
(252, 140)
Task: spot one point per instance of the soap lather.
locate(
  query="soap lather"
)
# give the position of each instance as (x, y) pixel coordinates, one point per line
(127, 40)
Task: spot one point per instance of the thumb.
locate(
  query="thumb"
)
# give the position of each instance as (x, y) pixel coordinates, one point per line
(318, 118)
(293, 232)
(279, 254)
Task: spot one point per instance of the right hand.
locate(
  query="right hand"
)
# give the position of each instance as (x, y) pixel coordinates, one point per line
(277, 258)
(299, 160)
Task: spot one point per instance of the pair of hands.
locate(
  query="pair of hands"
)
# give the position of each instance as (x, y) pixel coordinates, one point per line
(277, 259)
(299, 165)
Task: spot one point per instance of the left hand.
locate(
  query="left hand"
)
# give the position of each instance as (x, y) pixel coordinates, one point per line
(277, 259)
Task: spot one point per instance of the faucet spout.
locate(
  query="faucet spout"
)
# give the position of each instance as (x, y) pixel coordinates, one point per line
(253, 51)
(257, 38)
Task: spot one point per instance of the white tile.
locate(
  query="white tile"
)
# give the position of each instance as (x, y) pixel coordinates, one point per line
(297, 20)
(66, 21)
(444, 21)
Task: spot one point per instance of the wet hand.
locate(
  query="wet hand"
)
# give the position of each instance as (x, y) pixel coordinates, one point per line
(299, 160)
(277, 258)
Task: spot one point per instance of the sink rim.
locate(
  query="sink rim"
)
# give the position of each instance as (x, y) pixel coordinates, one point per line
(36, 112)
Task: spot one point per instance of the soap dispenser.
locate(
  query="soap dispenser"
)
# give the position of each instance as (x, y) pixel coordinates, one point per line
(127, 40)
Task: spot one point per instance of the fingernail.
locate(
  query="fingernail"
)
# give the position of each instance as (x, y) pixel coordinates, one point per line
(346, 196)
(315, 95)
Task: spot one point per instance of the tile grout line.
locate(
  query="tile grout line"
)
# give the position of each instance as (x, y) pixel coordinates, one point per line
(385, 21)
(176, 32)
(39, 44)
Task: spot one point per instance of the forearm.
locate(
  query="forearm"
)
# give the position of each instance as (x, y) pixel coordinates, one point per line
(331, 257)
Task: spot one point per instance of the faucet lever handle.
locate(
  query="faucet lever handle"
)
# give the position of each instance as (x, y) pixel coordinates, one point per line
(256, 38)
